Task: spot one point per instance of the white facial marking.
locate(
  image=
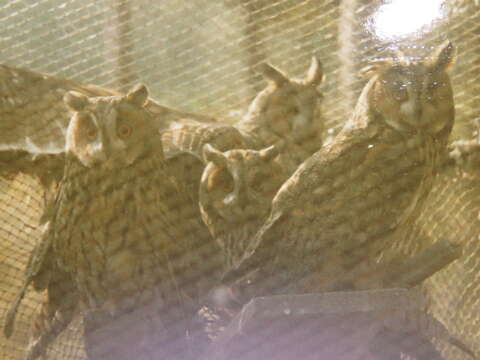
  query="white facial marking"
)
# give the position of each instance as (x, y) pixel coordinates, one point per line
(299, 121)
(230, 198)
(96, 147)
(407, 108)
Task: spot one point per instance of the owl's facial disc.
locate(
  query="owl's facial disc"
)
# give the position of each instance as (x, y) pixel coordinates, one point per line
(409, 98)
(237, 184)
(410, 94)
(223, 183)
(110, 132)
(287, 107)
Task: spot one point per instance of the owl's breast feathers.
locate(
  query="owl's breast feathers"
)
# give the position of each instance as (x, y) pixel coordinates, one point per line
(125, 233)
(340, 207)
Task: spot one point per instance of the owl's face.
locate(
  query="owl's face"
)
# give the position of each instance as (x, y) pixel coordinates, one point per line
(288, 107)
(111, 131)
(238, 185)
(416, 96)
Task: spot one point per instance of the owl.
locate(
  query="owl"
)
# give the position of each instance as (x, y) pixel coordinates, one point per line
(122, 234)
(236, 190)
(343, 206)
(285, 114)
(33, 127)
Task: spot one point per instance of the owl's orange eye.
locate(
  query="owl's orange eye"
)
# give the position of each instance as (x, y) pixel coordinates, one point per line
(124, 130)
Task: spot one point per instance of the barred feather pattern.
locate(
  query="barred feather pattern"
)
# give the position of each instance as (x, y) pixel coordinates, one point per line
(346, 203)
(131, 241)
(191, 138)
(123, 237)
(235, 193)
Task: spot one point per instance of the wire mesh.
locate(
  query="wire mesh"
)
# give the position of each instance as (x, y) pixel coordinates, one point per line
(203, 56)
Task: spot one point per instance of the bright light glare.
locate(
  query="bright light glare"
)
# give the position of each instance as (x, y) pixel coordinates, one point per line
(399, 18)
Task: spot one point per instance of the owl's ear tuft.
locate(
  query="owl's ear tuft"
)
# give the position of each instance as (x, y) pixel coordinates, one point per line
(444, 56)
(269, 153)
(272, 74)
(210, 154)
(75, 101)
(138, 95)
(315, 72)
(374, 67)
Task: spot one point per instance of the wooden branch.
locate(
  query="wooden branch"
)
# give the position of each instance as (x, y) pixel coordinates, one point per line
(401, 272)
(412, 271)
(350, 320)
(346, 319)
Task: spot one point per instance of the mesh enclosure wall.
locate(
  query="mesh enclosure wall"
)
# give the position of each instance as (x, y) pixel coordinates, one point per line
(204, 57)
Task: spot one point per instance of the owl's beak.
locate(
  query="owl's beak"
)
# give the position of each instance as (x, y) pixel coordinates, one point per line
(97, 154)
(302, 127)
(412, 110)
(235, 202)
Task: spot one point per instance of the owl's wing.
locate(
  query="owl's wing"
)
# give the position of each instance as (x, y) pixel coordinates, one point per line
(36, 272)
(41, 263)
(33, 115)
(183, 148)
(192, 136)
(33, 121)
(58, 311)
(58, 308)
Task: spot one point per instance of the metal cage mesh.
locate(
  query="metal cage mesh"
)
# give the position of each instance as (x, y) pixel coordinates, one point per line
(201, 56)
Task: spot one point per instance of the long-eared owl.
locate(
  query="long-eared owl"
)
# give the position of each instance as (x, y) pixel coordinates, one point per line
(236, 191)
(121, 228)
(286, 114)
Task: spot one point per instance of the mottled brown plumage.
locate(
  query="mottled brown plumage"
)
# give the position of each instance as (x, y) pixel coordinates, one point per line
(236, 191)
(285, 114)
(32, 110)
(59, 304)
(343, 205)
(183, 146)
(34, 120)
(32, 141)
(125, 232)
